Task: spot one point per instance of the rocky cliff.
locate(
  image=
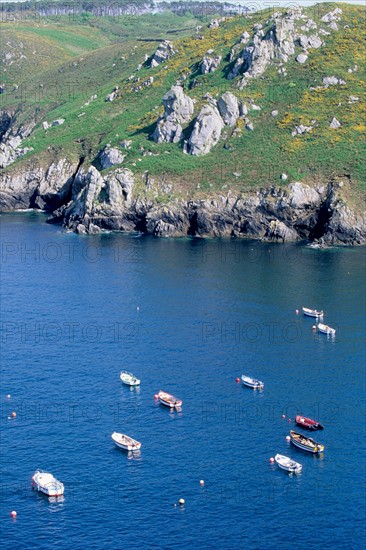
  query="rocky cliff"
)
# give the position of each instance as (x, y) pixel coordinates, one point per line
(83, 200)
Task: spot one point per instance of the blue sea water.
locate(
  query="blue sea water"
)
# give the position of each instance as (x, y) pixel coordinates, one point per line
(187, 316)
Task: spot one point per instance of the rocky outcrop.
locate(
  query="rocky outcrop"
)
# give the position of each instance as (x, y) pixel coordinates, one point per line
(178, 109)
(97, 203)
(110, 156)
(277, 41)
(33, 185)
(164, 51)
(228, 106)
(11, 137)
(84, 201)
(210, 64)
(206, 130)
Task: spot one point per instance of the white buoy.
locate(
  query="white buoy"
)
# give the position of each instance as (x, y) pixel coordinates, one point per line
(181, 501)
(138, 309)
(271, 460)
(202, 482)
(8, 396)
(13, 514)
(288, 438)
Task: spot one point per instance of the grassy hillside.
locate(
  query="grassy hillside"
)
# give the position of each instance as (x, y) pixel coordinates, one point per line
(67, 62)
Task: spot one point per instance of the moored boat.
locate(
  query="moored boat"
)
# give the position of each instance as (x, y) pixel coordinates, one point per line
(308, 423)
(288, 464)
(129, 379)
(169, 400)
(305, 443)
(125, 442)
(312, 312)
(325, 329)
(46, 483)
(252, 382)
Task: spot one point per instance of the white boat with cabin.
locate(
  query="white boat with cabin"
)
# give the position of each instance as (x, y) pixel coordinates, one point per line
(286, 463)
(325, 329)
(46, 483)
(252, 382)
(129, 379)
(312, 312)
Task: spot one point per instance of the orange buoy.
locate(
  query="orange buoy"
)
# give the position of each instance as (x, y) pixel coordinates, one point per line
(13, 414)
(289, 420)
(271, 460)
(13, 514)
(237, 380)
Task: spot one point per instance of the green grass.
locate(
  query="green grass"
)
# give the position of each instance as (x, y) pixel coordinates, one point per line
(91, 55)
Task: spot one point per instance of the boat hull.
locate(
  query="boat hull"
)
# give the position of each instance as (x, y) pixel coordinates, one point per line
(312, 312)
(47, 484)
(169, 400)
(125, 442)
(308, 424)
(252, 383)
(311, 446)
(129, 379)
(287, 464)
(325, 329)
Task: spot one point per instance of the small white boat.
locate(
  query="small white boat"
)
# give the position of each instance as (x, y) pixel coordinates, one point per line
(325, 329)
(169, 400)
(125, 442)
(129, 379)
(252, 382)
(288, 464)
(46, 483)
(312, 312)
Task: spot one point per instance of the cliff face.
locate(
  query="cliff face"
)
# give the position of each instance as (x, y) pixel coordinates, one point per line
(84, 201)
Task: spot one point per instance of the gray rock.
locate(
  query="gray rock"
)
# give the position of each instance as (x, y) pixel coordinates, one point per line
(335, 124)
(58, 122)
(45, 125)
(333, 81)
(210, 64)
(274, 113)
(333, 25)
(334, 15)
(284, 177)
(206, 131)
(110, 156)
(301, 58)
(164, 51)
(228, 107)
(178, 109)
(301, 129)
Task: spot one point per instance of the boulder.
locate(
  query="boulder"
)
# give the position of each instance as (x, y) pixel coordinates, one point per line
(206, 131)
(335, 124)
(58, 122)
(301, 58)
(178, 109)
(334, 15)
(210, 64)
(164, 51)
(110, 156)
(228, 107)
(301, 129)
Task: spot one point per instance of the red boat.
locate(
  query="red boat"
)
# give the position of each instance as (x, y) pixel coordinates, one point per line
(308, 423)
